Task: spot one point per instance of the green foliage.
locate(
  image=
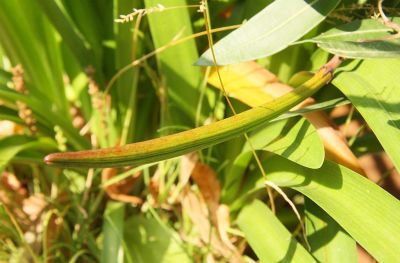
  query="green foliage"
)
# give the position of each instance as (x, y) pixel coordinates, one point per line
(373, 91)
(263, 36)
(88, 82)
(372, 39)
(258, 222)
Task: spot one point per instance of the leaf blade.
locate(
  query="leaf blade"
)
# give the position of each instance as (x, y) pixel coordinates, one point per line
(372, 86)
(269, 239)
(338, 190)
(269, 31)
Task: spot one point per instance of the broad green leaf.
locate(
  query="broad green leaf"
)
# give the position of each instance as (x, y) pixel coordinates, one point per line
(296, 140)
(113, 232)
(367, 212)
(12, 145)
(270, 31)
(149, 241)
(176, 63)
(360, 39)
(373, 88)
(269, 239)
(328, 241)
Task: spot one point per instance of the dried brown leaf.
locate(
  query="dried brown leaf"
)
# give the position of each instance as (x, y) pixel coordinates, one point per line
(196, 209)
(209, 187)
(223, 225)
(120, 190)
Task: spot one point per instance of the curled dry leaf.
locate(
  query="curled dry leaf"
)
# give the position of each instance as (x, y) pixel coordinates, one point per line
(223, 225)
(196, 209)
(254, 85)
(120, 190)
(188, 164)
(12, 194)
(10, 181)
(209, 187)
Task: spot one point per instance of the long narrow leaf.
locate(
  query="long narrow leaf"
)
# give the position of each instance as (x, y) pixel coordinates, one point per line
(360, 39)
(113, 231)
(366, 211)
(373, 88)
(69, 33)
(41, 110)
(195, 139)
(269, 239)
(329, 242)
(182, 79)
(270, 31)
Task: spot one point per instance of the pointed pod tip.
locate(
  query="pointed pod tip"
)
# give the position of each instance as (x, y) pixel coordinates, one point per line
(48, 159)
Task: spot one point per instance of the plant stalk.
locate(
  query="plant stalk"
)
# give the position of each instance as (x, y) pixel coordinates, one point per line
(199, 138)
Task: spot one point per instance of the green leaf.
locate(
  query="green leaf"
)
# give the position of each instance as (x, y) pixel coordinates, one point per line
(296, 140)
(328, 241)
(366, 211)
(373, 88)
(270, 31)
(149, 241)
(29, 40)
(127, 84)
(113, 229)
(269, 239)
(360, 39)
(67, 30)
(12, 145)
(329, 104)
(49, 117)
(182, 79)
(87, 21)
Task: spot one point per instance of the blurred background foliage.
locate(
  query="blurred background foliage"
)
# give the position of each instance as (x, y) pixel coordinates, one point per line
(62, 89)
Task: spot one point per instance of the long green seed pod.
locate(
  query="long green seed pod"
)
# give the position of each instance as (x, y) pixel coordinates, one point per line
(199, 138)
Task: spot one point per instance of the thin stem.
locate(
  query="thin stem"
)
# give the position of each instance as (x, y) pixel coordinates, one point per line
(130, 112)
(211, 44)
(387, 22)
(159, 50)
(203, 86)
(21, 234)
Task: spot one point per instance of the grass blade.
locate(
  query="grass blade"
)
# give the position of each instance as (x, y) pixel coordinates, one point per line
(113, 231)
(269, 239)
(69, 33)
